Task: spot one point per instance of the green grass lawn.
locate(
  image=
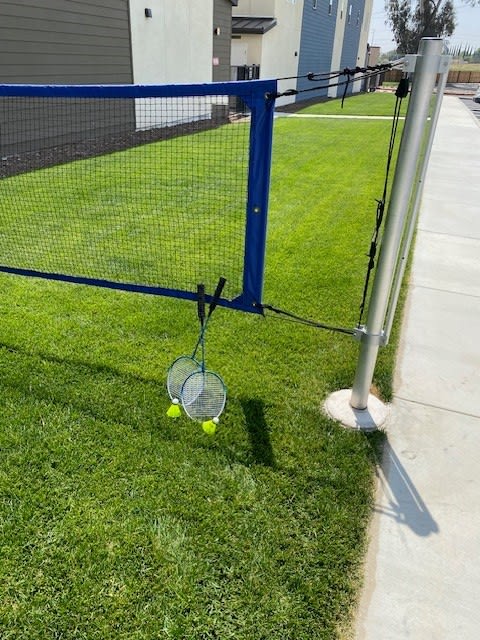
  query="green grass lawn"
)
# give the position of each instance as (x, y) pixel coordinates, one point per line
(118, 523)
(377, 103)
(91, 218)
(466, 66)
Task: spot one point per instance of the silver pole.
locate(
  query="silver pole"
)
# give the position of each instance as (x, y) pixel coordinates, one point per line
(412, 224)
(426, 69)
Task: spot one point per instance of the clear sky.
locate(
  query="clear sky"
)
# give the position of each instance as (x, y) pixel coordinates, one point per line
(467, 31)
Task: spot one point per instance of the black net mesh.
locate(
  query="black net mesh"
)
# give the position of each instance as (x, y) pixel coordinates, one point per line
(150, 191)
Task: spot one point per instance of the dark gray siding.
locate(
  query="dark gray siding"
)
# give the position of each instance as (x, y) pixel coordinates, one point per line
(33, 124)
(316, 44)
(65, 41)
(222, 19)
(351, 40)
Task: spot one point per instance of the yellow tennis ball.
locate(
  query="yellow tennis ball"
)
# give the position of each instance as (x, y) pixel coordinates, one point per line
(174, 409)
(210, 426)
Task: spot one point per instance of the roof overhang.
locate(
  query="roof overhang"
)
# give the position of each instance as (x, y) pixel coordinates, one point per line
(251, 24)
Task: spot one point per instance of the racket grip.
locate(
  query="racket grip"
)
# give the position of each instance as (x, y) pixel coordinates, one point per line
(201, 303)
(216, 295)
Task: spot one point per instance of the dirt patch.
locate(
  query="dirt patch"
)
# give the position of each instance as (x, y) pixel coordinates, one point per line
(16, 164)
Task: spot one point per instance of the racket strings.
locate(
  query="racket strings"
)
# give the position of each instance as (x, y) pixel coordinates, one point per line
(203, 395)
(179, 371)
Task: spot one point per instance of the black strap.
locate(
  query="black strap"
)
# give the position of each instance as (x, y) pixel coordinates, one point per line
(367, 72)
(216, 296)
(345, 90)
(400, 93)
(299, 319)
(201, 303)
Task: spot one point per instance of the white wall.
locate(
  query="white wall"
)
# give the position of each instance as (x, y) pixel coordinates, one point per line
(175, 45)
(275, 50)
(362, 45)
(338, 43)
(259, 8)
(239, 53)
(248, 50)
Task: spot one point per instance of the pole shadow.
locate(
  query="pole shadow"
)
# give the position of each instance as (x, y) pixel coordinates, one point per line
(400, 498)
(258, 431)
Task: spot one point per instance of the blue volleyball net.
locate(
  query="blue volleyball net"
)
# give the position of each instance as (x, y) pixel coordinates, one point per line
(143, 188)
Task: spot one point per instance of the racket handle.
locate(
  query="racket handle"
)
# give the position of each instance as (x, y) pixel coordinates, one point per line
(216, 295)
(201, 303)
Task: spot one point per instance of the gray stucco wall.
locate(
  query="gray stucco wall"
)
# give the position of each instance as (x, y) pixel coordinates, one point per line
(222, 20)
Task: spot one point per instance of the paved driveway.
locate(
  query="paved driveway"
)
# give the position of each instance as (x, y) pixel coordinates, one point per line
(473, 106)
(465, 92)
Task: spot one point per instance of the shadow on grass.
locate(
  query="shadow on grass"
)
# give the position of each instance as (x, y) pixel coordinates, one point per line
(258, 431)
(105, 393)
(96, 390)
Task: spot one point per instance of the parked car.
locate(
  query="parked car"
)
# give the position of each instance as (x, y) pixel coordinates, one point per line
(476, 97)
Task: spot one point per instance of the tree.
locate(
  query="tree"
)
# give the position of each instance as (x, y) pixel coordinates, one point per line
(428, 18)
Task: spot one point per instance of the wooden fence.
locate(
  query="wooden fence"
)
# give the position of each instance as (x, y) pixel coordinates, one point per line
(456, 77)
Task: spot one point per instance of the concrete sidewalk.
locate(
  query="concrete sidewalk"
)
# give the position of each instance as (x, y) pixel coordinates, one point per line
(423, 567)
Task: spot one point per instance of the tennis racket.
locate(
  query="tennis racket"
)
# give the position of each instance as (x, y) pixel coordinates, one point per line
(203, 396)
(203, 393)
(185, 365)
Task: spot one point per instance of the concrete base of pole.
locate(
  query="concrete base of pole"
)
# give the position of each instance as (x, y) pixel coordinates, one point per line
(338, 407)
